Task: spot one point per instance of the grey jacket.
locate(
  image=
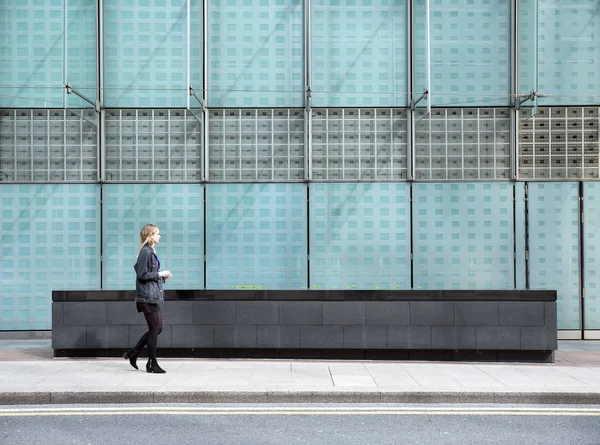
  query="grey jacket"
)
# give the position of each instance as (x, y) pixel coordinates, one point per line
(148, 285)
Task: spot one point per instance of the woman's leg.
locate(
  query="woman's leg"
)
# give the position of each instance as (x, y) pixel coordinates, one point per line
(154, 320)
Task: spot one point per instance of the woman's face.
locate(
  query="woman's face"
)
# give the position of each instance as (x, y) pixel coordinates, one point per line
(155, 237)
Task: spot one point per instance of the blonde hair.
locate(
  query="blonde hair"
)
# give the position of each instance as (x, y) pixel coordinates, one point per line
(146, 236)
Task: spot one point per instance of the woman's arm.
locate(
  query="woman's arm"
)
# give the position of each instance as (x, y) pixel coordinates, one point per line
(143, 267)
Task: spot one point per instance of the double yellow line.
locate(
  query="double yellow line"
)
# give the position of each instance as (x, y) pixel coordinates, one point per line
(297, 411)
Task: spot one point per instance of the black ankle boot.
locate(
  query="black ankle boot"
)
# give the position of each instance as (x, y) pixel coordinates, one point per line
(132, 356)
(152, 366)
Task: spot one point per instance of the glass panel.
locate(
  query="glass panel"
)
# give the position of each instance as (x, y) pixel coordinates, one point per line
(567, 38)
(463, 236)
(554, 246)
(80, 51)
(178, 212)
(256, 236)
(145, 53)
(359, 53)
(31, 54)
(520, 236)
(255, 54)
(591, 251)
(360, 236)
(50, 241)
(469, 50)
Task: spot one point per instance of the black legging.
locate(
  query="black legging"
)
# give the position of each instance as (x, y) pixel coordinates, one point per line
(150, 338)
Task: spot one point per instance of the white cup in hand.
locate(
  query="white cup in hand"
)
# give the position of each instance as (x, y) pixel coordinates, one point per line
(166, 274)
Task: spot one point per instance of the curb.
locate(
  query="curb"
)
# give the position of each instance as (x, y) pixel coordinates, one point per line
(148, 397)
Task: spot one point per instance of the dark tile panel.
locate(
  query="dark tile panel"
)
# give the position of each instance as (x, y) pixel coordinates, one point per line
(233, 336)
(214, 312)
(257, 312)
(124, 313)
(344, 313)
(69, 337)
(431, 313)
(453, 337)
(301, 313)
(278, 337)
(85, 313)
(498, 337)
(386, 313)
(178, 312)
(537, 338)
(365, 337)
(476, 313)
(322, 337)
(58, 318)
(525, 313)
(107, 336)
(192, 336)
(409, 337)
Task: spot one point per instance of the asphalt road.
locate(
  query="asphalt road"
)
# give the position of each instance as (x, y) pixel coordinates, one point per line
(299, 424)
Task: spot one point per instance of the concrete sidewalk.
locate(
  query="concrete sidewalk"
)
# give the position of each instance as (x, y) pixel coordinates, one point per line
(29, 374)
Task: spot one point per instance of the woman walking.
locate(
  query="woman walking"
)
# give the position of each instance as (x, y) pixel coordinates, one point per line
(149, 296)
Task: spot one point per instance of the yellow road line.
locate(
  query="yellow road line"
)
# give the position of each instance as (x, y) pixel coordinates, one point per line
(308, 412)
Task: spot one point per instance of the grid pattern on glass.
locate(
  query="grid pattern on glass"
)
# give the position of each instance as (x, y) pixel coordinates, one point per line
(463, 235)
(50, 240)
(48, 145)
(591, 251)
(462, 144)
(553, 218)
(145, 53)
(470, 51)
(256, 145)
(256, 52)
(80, 51)
(359, 53)
(256, 234)
(559, 143)
(153, 145)
(178, 211)
(359, 144)
(567, 64)
(31, 54)
(360, 235)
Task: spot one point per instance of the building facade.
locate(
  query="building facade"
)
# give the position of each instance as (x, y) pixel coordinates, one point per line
(287, 144)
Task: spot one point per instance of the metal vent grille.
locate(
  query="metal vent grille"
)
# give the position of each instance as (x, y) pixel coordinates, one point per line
(48, 145)
(153, 145)
(462, 144)
(359, 144)
(559, 143)
(256, 145)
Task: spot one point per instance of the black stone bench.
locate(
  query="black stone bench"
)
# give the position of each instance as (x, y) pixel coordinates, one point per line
(471, 325)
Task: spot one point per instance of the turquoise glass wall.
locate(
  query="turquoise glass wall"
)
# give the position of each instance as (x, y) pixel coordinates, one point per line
(145, 53)
(256, 52)
(520, 237)
(563, 60)
(591, 254)
(31, 54)
(463, 236)
(470, 52)
(178, 212)
(80, 51)
(554, 246)
(359, 53)
(256, 236)
(50, 241)
(360, 235)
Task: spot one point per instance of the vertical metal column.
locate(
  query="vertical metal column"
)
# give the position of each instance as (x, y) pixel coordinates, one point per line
(205, 172)
(308, 94)
(410, 130)
(101, 140)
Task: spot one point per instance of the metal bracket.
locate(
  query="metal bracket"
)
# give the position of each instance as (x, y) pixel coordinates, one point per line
(520, 99)
(413, 103)
(96, 104)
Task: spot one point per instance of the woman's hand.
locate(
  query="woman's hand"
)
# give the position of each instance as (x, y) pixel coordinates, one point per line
(165, 274)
